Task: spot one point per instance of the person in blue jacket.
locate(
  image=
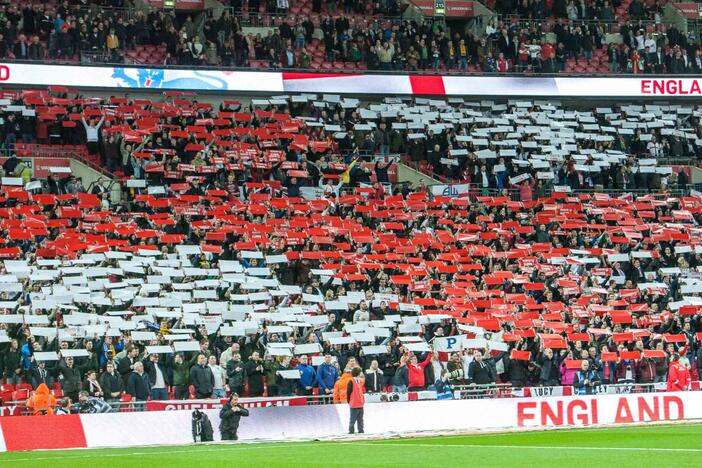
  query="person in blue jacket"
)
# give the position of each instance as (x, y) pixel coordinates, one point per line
(327, 375)
(308, 376)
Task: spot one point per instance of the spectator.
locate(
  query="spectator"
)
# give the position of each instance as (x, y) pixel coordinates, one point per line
(181, 375)
(308, 377)
(36, 50)
(236, 373)
(220, 378)
(327, 375)
(374, 379)
(138, 385)
(92, 384)
(70, 378)
(38, 374)
(479, 371)
(111, 383)
(158, 377)
(585, 380)
(202, 378)
(415, 371)
(549, 364)
(92, 133)
(254, 374)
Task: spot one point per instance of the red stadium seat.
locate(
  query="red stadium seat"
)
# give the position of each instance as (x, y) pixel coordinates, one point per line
(20, 395)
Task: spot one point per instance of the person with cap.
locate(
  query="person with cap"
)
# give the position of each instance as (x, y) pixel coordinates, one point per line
(355, 397)
(230, 415)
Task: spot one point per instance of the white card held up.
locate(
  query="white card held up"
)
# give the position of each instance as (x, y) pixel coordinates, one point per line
(289, 374)
(310, 348)
(370, 350)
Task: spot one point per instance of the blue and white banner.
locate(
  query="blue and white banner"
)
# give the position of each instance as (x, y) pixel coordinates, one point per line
(343, 83)
(450, 190)
(139, 78)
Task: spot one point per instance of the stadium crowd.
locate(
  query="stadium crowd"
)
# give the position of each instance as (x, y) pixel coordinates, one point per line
(324, 39)
(217, 273)
(308, 143)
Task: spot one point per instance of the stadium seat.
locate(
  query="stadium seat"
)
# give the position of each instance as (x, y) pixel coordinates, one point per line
(20, 395)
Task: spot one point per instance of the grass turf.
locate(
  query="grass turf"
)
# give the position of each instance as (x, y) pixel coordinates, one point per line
(652, 445)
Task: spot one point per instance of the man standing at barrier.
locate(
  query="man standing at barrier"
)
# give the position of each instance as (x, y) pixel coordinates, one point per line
(355, 391)
(229, 416)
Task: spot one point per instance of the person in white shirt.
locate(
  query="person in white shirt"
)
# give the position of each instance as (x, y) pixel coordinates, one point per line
(92, 134)
(220, 378)
(655, 149)
(650, 43)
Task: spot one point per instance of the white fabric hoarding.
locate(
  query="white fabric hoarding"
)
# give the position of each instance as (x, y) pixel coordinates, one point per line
(300, 422)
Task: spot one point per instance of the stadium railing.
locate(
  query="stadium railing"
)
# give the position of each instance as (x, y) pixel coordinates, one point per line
(546, 25)
(460, 392)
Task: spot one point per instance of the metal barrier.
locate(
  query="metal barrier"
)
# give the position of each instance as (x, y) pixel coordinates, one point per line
(460, 392)
(547, 25)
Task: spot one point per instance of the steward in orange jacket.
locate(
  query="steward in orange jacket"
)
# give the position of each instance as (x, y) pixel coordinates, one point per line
(42, 402)
(340, 387)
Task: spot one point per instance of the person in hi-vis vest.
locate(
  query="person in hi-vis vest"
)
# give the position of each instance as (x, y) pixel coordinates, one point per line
(355, 398)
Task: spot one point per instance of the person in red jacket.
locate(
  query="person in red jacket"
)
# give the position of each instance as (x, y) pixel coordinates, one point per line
(676, 374)
(416, 372)
(355, 397)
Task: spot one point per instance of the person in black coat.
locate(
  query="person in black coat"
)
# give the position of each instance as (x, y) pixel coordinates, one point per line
(202, 378)
(236, 374)
(126, 364)
(229, 416)
(254, 373)
(150, 365)
(202, 427)
(138, 383)
(550, 368)
(111, 383)
(480, 372)
(38, 374)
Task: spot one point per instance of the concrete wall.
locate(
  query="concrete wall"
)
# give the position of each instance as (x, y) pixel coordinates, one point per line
(407, 174)
(695, 175)
(89, 176)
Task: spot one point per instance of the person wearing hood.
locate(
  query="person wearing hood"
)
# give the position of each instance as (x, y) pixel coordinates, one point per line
(42, 401)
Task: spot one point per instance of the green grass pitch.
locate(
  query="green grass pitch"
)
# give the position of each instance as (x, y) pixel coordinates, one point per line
(677, 445)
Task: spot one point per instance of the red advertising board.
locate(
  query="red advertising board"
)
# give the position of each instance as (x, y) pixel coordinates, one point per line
(690, 10)
(190, 4)
(172, 405)
(459, 9)
(179, 4)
